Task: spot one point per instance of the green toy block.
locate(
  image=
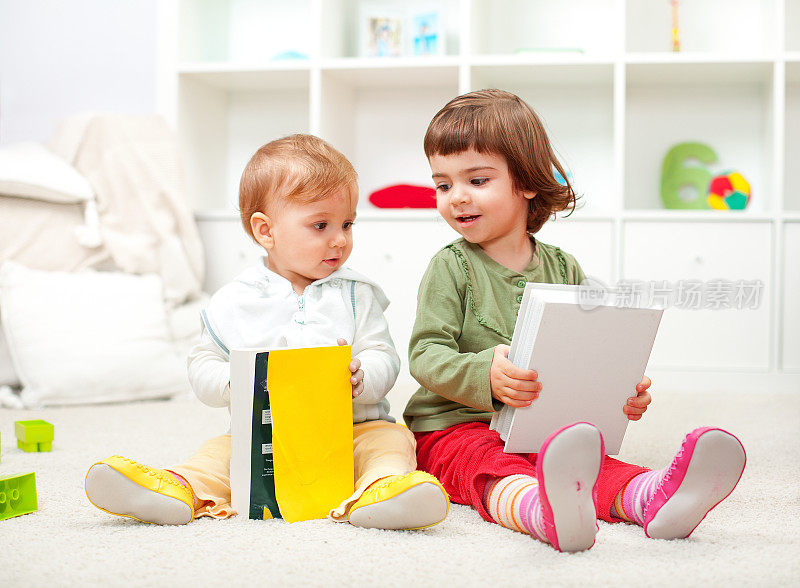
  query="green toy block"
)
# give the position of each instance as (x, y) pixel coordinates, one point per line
(34, 435)
(17, 495)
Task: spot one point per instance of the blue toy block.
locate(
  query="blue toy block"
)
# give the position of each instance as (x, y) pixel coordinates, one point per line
(34, 435)
(17, 495)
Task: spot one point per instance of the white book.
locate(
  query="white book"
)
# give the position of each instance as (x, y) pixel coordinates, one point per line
(590, 348)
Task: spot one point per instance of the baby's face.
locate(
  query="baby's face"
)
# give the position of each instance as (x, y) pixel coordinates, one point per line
(312, 240)
(475, 194)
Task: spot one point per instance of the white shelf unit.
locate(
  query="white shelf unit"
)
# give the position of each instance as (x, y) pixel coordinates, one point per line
(613, 97)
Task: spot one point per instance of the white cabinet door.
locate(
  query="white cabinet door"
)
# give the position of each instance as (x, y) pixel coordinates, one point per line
(395, 253)
(730, 261)
(791, 299)
(590, 242)
(228, 250)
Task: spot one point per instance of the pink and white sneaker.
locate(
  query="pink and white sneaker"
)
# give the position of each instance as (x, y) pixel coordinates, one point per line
(567, 467)
(705, 471)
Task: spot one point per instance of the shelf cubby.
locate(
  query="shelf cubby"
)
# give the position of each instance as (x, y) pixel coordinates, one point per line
(245, 31)
(712, 27)
(726, 105)
(342, 24)
(588, 27)
(378, 118)
(225, 116)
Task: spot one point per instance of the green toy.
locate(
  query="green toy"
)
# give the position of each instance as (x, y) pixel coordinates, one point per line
(34, 435)
(17, 495)
(676, 175)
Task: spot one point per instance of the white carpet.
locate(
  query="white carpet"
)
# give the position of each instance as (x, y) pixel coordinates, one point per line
(751, 538)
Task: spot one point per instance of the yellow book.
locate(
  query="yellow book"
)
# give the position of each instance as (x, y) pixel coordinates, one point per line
(291, 432)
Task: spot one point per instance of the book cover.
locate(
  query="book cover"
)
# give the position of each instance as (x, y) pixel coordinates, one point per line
(589, 358)
(291, 432)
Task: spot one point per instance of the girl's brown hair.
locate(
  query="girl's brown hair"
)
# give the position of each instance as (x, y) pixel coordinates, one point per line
(495, 121)
(297, 168)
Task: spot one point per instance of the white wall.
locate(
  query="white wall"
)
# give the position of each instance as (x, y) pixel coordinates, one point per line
(60, 57)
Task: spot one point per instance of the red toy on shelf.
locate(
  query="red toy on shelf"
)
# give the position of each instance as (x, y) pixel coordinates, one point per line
(404, 196)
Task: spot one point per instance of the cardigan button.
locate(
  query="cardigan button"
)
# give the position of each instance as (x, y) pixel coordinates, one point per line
(519, 298)
(521, 283)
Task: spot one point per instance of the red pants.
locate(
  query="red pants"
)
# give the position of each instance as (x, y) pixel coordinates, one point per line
(464, 457)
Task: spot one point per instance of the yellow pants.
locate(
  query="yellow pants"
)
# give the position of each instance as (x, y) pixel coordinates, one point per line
(380, 449)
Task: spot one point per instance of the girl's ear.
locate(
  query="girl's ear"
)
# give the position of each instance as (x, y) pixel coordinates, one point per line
(529, 195)
(261, 226)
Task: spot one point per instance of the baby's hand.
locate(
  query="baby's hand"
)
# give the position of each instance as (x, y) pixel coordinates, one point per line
(357, 379)
(510, 384)
(638, 404)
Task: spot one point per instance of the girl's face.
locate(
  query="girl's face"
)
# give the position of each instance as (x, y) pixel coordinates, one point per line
(475, 195)
(309, 241)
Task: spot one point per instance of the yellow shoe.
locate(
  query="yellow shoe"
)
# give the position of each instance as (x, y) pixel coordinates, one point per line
(123, 487)
(413, 501)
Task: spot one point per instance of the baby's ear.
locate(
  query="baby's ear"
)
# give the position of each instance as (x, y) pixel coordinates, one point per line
(261, 225)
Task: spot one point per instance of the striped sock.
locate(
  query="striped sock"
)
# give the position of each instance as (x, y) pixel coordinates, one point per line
(513, 502)
(631, 500)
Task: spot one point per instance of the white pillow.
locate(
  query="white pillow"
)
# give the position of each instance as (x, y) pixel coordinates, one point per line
(29, 170)
(88, 336)
(8, 377)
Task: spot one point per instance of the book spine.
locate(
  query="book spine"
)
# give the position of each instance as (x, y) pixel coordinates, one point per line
(531, 311)
(518, 336)
(505, 419)
(263, 501)
(534, 320)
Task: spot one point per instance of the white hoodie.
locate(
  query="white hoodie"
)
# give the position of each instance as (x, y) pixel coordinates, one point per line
(259, 308)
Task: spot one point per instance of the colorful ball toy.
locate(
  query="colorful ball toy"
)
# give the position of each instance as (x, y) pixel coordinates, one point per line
(728, 191)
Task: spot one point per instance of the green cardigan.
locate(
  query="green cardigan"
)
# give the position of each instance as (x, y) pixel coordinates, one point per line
(467, 304)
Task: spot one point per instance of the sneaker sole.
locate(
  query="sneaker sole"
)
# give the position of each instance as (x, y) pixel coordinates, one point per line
(419, 507)
(714, 469)
(116, 494)
(569, 470)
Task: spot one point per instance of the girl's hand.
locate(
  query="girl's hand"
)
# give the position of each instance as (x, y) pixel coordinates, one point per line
(510, 384)
(638, 404)
(357, 379)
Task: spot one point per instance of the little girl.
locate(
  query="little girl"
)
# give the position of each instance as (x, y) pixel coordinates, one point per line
(297, 199)
(493, 168)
